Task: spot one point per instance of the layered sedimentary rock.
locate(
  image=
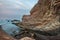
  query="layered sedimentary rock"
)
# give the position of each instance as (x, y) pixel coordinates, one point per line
(44, 16)
(44, 19)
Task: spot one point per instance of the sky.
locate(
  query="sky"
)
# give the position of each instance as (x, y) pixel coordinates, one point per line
(15, 9)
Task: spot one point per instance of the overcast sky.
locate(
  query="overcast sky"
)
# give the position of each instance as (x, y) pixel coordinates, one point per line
(15, 9)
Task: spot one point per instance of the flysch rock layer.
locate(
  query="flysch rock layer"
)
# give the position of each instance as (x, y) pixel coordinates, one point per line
(44, 16)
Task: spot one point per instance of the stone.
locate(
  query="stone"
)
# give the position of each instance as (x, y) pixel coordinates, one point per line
(44, 16)
(44, 19)
(27, 38)
(5, 36)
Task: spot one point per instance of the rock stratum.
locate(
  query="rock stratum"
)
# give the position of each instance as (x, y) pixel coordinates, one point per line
(44, 16)
(44, 20)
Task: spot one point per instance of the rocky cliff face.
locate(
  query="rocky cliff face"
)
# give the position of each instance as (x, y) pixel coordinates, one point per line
(44, 19)
(44, 16)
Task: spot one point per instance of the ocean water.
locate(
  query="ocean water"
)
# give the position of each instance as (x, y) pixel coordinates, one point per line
(8, 27)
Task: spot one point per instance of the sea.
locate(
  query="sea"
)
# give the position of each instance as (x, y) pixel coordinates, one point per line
(8, 27)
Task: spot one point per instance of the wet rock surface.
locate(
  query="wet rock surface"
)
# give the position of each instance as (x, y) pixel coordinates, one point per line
(36, 36)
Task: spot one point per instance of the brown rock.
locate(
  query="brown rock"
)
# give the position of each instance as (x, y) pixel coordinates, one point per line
(5, 36)
(27, 38)
(44, 16)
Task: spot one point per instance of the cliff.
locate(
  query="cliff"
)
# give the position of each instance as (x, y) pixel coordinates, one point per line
(44, 16)
(44, 19)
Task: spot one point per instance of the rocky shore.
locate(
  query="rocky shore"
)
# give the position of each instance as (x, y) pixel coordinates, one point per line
(42, 23)
(44, 18)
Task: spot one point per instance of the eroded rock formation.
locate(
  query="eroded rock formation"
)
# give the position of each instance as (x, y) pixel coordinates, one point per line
(44, 16)
(44, 19)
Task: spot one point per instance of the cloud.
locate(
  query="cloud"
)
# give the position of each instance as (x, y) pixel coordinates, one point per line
(13, 4)
(15, 8)
(0, 4)
(29, 3)
(7, 12)
(21, 4)
(18, 4)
